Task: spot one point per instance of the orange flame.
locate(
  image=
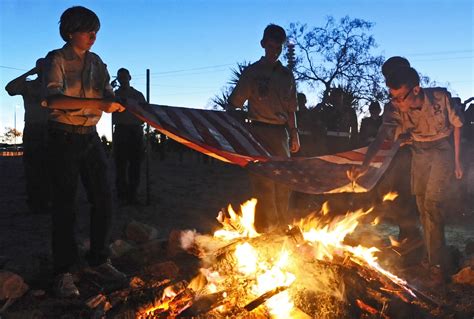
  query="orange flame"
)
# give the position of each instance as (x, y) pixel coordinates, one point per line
(390, 196)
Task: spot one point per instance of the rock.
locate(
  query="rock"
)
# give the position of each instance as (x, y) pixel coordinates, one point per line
(136, 282)
(11, 285)
(120, 247)
(140, 233)
(464, 276)
(164, 270)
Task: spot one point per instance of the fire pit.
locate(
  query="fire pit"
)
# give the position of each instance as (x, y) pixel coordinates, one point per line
(304, 271)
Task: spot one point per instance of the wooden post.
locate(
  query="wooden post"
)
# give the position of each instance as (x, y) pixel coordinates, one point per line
(148, 148)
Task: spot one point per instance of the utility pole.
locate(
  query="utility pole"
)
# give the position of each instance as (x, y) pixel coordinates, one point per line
(290, 55)
(148, 148)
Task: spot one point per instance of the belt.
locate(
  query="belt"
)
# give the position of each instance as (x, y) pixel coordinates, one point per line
(75, 129)
(257, 123)
(338, 134)
(430, 144)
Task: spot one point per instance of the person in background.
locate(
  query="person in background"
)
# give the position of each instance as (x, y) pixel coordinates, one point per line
(270, 90)
(370, 125)
(128, 141)
(38, 190)
(77, 90)
(340, 121)
(308, 128)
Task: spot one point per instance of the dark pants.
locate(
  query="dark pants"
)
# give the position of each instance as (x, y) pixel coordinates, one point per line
(128, 153)
(403, 210)
(272, 198)
(432, 169)
(38, 188)
(73, 156)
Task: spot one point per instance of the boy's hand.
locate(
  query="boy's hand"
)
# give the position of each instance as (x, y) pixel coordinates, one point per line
(458, 171)
(113, 107)
(294, 140)
(356, 172)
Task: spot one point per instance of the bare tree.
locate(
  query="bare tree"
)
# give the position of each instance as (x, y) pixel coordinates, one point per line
(338, 54)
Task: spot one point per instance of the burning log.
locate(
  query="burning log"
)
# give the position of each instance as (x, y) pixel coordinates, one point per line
(204, 304)
(263, 298)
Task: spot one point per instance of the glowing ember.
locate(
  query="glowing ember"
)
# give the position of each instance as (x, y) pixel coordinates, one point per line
(390, 196)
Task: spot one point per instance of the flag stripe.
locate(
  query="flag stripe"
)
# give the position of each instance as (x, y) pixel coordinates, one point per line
(212, 132)
(161, 114)
(243, 130)
(188, 124)
(205, 134)
(239, 142)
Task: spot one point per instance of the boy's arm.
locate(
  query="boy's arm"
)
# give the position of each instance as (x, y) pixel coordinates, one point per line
(385, 131)
(294, 137)
(18, 85)
(63, 102)
(458, 171)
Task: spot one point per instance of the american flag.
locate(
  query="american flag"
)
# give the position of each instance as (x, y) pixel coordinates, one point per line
(220, 135)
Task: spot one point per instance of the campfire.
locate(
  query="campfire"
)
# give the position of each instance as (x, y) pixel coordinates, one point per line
(304, 271)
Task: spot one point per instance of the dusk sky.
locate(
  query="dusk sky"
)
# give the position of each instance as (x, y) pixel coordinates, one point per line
(190, 46)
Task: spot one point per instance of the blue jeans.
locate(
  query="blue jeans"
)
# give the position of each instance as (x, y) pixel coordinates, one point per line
(73, 156)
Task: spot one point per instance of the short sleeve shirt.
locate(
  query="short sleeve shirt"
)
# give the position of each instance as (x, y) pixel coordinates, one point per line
(270, 91)
(125, 117)
(66, 74)
(433, 121)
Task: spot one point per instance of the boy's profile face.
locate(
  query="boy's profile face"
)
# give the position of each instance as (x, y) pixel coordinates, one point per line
(83, 40)
(404, 98)
(272, 49)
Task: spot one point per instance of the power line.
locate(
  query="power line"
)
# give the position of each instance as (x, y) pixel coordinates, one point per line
(11, 68)
(187, 70)
(441, 52)
(444, 59)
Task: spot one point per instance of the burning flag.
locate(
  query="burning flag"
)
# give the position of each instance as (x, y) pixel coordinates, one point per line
(217, 134)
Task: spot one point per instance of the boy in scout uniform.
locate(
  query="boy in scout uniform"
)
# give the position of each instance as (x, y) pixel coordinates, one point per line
(77, 89)
(426, 117)
(270, 90)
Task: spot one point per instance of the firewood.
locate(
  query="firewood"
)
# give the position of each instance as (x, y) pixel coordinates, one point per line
(204, 304)
(263, 298)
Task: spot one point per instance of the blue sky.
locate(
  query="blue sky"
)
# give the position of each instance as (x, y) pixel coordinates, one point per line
(190, 45)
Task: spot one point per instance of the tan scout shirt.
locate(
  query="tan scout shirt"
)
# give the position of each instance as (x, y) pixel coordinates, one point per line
(433, 121)
(125, 117)
(270, 91)
(65, 74)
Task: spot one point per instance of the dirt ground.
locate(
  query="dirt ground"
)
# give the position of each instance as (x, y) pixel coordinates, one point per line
(184, 195)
